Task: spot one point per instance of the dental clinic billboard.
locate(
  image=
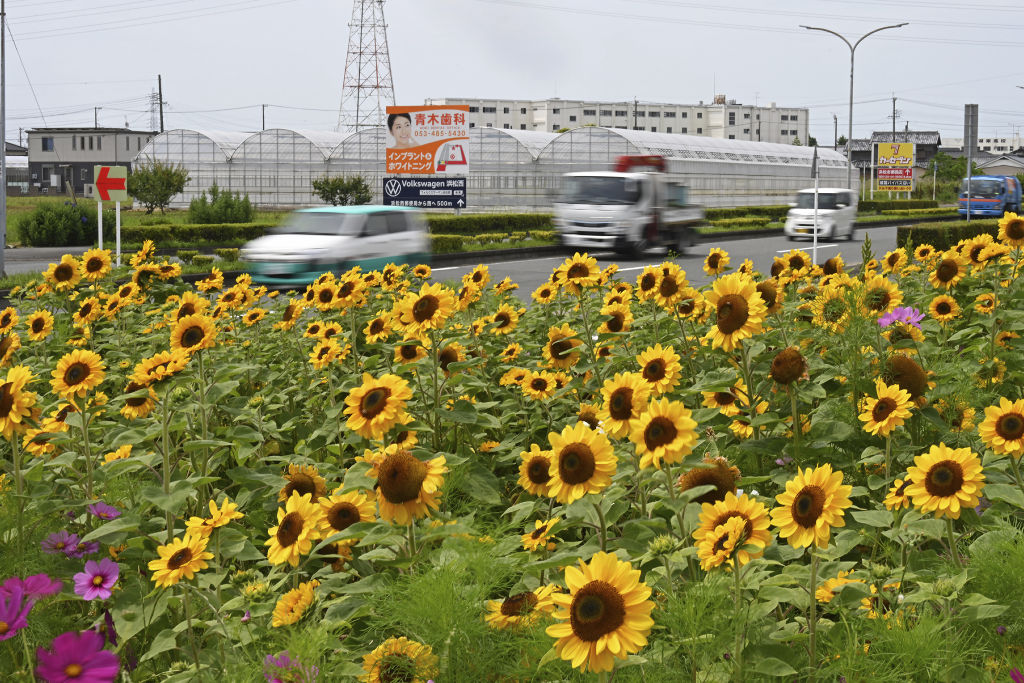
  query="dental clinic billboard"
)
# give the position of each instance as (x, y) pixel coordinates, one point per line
(428, 140)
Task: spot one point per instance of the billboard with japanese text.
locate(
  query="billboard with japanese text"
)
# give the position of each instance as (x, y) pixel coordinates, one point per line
(427, 140)
(895, 166)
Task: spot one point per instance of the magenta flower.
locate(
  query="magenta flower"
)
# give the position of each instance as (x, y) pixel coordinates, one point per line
(33, 587)
(82, 549)
(283, 668)
(13, 613)
(103, 511)
(59, 542)
(903, 314)
(77, 657)
(1016, 676)
(97, 579)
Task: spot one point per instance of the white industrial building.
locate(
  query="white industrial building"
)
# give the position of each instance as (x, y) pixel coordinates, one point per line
(723, 118)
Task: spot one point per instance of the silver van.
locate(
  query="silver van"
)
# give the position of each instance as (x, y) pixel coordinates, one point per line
(312, 241)
(837, 213)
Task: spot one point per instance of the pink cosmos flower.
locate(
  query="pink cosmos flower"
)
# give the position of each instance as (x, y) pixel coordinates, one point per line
(97, 579)
(13, 613)
(33, 587)
(77, 657)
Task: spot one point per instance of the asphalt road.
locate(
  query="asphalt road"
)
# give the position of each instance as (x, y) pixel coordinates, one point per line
(530, 273)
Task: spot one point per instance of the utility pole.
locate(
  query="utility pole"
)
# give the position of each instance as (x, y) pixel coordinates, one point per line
(635, 105)
(160, 91)
(264, 116)
(835, 132)
(3, 132)
(96, 117)
(894, 119)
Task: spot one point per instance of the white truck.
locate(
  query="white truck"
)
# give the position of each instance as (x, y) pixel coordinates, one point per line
(631, 209)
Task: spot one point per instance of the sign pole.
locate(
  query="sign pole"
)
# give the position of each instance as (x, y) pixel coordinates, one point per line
(117, 231)
(99, 221)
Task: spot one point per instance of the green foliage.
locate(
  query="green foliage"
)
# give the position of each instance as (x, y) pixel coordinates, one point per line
(221, 207)
(948, 168)
(202, 260)
(187, 233)
(342, 191)
(227, 254)
(776, 212)
(187, 255)
(876, 205)
(745, 222)
(153, 185)
(945, 235)
(61, 225)
(474, 224)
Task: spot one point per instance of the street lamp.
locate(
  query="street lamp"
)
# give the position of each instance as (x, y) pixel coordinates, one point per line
(853, 48)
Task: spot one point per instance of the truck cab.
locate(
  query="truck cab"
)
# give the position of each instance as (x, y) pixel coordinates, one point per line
(990, 195)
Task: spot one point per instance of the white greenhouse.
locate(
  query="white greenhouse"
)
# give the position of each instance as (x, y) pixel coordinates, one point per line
(508, 169)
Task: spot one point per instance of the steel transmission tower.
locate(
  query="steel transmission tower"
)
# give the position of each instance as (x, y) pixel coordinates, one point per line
(367, 88)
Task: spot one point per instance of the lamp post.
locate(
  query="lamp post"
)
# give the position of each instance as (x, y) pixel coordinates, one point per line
(853, 48)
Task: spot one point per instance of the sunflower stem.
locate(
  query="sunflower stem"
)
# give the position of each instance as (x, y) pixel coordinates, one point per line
(19, 487)
(812, 618)
(412, 539)
(797, 426)
(205, 422)
(952, 542)
(166, 442)
(88, 451)
(435, 353)
(1016, 473)
(604, 528)
(888, 455)
(590, 338)
(191, 633)
(737, 654)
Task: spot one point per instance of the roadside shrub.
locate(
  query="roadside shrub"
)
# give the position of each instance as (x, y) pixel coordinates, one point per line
(746, 221)
(53, 224)
(446, 244)
(773, 212)
(921, 212)
(202, 260)
(946, 234)
(188, 233)
(475, 224)
(228, 254)
(153, 185)
(221, 207)
(341, 191)
(877, 205)
(187, 255)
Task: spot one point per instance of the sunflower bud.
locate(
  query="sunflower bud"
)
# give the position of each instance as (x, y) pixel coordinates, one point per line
(181, 394)
(662, 545)
(256, 401)
(788, 366)
(944, 587)
(879, 571)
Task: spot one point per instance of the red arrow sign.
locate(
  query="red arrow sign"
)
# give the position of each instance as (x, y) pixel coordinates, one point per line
(104, 184)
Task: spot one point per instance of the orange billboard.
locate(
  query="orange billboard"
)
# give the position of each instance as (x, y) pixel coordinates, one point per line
(427, 140)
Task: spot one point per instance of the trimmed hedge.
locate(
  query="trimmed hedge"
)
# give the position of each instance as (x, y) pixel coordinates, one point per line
(745, 222)
(775, 212)
(449, 244)
(947, 234)
(921, 212)
(475, 224)
(877, 205)
(52, 224)
(191, 233)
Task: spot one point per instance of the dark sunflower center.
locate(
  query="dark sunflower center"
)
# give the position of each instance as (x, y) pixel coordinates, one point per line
(883, 409)
(902, 487)
(325, 296)
(908, 375)
(668, 287)
(519, 605)
(560, 349)
(787, 366)
(396, 668)
(301, 482)
(85, 310)
(290, 528)
(577, 271)
(713, 261)
(76, 374)
(943, 308)
(6, 399)
(113, 303)
(654, 371)
(5, 321)
(947, 270)
(589, 418)
(596, 610)
(724, 398)
(1015, 229)
(94, 265)
(289, 313)
(346, 289)
(137, 401)
(538, 470)
(538, 384)
(193, 336)
(576, 463)
(660, 432)
(708, 476)
(831, 267)
(878, 299)
(374, 402)
(186, 309)
(648, 281)
(447, 357)
(342, 516)
(425, 308)
(768, 293)
(807, 506)
(38, 324)
(620, 404)
(975, 251)
(616, 322)
(732, 313)
(944, 479)
(63, 272)
(124, 292)
(1010, 426)
(179, 559)
(796, 262)
(330, 332)
(401, 476)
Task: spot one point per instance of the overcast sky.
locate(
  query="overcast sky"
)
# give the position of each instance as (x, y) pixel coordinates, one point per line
(222, 59)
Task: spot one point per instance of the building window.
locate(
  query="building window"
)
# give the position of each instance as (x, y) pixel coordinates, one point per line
(732, 137)
(732, 118)
(572, 117)
(473, 110)
(684, 114)
(641, 114)
(99, 142)
(793, 118)
(606, 112)
(90, 141)
(490, 125)
(590, 112)
(472, 125)
(683, 131)
(556, 111)
(47, 144)
(700, 131)
(700, 115)
(746, 130)
(785, 117)
(522, 110)
(746, 114)
(669, 129)
(82, 143)
(654, 114)
(74, 142)
(522, 126)
(506, 126)
(654, 129)
(490, 110)
(554, 126)
(127, 143)
(638, 127)
(504, 110)
(669, 115)
(621, 112)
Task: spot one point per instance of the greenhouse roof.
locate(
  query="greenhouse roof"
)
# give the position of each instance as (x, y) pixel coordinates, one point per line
(675, 146)
(227, 140)
(533, 140)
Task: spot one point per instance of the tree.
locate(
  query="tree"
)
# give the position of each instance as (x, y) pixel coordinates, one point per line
(153, 185)
(812, 141)
(796, 142)
(841, 142)
(343, 191)
(949, 168)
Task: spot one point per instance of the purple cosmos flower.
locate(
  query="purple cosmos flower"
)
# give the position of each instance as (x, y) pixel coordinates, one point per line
(1016, 676)
(107, 630)
(82, 549)
(103, 511)
(283, 668)
(246, 617)
(97, 579)
(59, 542)
(903, 314)
(33, 587)
(78, 657)
(13, 613)
(1001, 630)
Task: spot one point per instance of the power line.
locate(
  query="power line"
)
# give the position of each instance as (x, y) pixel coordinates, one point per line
(94, 10)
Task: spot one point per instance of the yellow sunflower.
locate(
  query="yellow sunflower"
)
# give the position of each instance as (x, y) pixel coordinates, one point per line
(160, 366)
(827, 590)
(189, 304)
(771, 294)
(65, 274)
(945, 480)
(422, 271)
(375, 406)
(325, 295)
(40, 325)
(290, 315)
(9, 344)
(409, 353)
(727, 402)
(985, 303)
(521, 609)
(582, 462)
(535, 470)
(77, 372)
(944, 308)
(89, 309)
(545, 293)
(717, 261)
(904, 371)
(541, 536)
(450, 353)
(833, 265)
(660, 368)
(888, 411)
(254, 316)
(665, 431)
(304, 480)
(830, 309)
(193, 333)
(427, 310)
(378, 329)
(8, 319)
(138, 407)
(342, 510)
(647, 283)
(949, 270)
(579, 272)
(617, 318)
(588, 414)
(298, 526)
(879, 295)
(797, 262)
(894, 260)
(1002, 430)
(671, 287)
(897, 497)
(16, 403)
(605, 615)
(408, 488)
(739, 310)
(510, 352)
(625, 398)
(715, 472)
(293, 604)
(96, 264)
(1011, 229)
(399, 659)
(813, 503)
(719, 546)
(560, 350)
(324, 353)
(755, 536)
(329, 330)
(924, 253)
(180, 559)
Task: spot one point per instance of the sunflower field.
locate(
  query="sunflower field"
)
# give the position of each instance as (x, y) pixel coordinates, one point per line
(806, 474)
